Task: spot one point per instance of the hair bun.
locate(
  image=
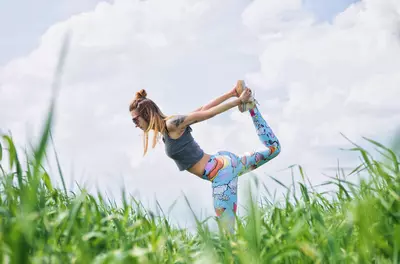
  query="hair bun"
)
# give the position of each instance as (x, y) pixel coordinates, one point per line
(141, 94)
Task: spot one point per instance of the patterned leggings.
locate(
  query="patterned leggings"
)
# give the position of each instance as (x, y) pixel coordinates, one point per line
(224, 168)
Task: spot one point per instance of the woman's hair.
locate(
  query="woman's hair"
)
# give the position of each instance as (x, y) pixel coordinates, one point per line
(150, 112)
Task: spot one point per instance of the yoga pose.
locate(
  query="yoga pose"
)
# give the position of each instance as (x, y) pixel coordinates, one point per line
(222, 168)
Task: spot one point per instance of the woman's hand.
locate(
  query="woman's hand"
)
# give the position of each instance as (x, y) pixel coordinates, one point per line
(245, 96)
(234, 93)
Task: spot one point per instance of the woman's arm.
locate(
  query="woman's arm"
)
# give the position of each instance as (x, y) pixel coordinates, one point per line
(218, 100)
(180, 122)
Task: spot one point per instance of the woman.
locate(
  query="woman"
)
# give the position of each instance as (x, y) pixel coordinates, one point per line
(222, 168)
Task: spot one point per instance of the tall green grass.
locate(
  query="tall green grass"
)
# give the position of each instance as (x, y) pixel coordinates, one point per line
(43, 223)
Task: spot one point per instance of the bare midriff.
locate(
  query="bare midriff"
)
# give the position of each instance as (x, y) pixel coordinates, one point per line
(198, 168)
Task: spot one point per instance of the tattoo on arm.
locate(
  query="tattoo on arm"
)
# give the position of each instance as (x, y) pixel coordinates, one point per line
(179, 120)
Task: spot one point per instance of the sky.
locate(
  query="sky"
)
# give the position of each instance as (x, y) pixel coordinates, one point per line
(319, 69)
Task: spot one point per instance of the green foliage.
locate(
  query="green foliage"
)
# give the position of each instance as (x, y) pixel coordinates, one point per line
(40, 223)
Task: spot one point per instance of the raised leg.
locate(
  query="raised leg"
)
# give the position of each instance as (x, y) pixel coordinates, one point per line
(253, 160)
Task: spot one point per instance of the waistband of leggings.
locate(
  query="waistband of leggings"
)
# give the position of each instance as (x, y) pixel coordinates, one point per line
(205, 173)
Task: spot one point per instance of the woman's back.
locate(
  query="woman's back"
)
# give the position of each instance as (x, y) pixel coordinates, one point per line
(185, 151)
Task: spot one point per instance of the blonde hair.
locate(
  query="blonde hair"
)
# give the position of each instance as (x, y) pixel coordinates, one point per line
(152, 114)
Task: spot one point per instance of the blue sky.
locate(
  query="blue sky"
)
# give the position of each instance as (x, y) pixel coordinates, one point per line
(21, 28)
(325, 10)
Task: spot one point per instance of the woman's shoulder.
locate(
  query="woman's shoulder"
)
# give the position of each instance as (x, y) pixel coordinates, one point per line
(173, 123)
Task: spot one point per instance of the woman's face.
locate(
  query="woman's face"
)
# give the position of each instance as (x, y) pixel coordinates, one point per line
(139, 121)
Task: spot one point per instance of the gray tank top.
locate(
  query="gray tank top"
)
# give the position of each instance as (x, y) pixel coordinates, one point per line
(184, 151)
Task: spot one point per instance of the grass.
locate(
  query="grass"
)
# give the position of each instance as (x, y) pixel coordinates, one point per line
(42, 223)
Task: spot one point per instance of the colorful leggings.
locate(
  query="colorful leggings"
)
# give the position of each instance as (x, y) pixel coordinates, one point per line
(224, 168)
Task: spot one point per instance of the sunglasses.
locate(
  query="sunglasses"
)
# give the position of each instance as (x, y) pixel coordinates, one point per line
(136, 120)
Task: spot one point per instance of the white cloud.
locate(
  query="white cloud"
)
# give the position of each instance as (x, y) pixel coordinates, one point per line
(313, 80)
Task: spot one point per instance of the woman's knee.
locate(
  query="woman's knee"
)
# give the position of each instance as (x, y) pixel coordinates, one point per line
(275, 149)
(276, 152)
(278, 148)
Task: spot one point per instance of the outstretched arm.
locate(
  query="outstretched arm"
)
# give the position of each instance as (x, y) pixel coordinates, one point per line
(218, 100)
(182, 121)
